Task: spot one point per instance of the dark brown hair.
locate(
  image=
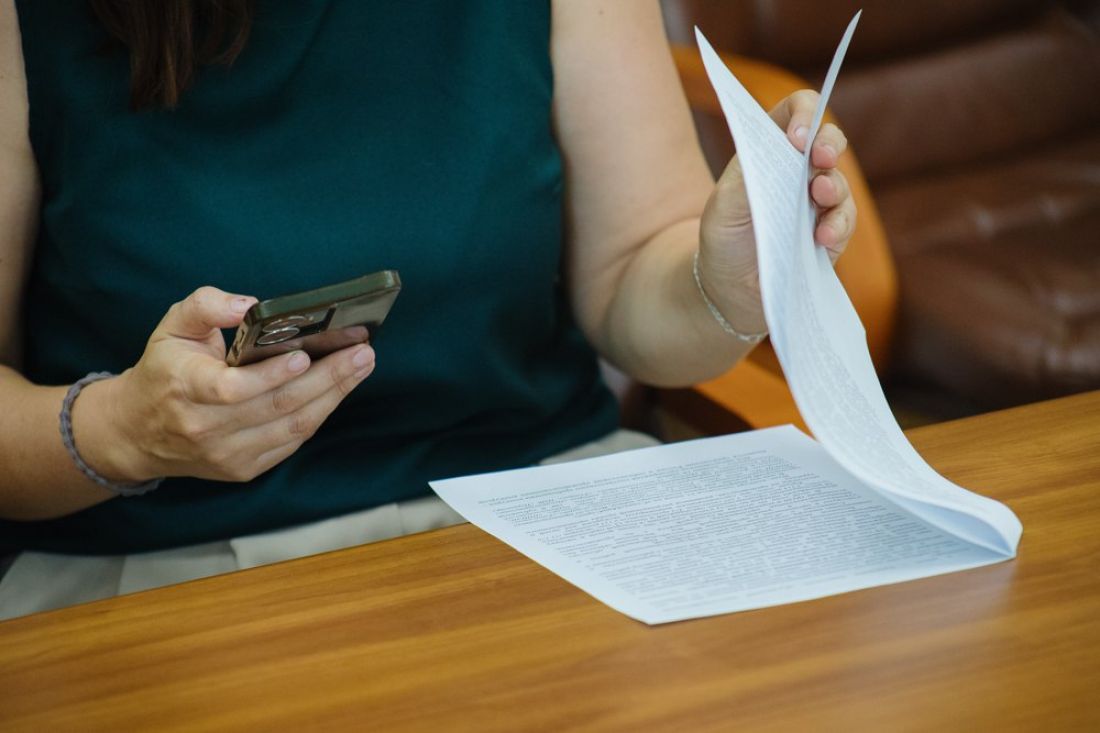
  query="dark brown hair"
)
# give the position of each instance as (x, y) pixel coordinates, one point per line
(168, 40)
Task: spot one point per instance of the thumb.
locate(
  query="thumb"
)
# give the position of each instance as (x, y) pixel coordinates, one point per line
(728, 207)
(726, 238)
(203, 312)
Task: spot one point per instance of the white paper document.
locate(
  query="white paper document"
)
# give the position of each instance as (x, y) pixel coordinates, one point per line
(709, 526)
(766, 517)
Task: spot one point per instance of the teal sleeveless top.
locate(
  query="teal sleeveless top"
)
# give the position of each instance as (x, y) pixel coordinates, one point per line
(350, 136)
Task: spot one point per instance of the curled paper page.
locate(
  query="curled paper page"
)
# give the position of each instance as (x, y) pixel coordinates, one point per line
(817, 335)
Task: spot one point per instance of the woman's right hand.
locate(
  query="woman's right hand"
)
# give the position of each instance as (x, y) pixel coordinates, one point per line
(181, 411)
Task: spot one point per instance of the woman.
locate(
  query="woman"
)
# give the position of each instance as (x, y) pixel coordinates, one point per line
(530, 168)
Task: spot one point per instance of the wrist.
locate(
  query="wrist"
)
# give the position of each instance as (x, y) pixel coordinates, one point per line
(734, 291)
(103, 438)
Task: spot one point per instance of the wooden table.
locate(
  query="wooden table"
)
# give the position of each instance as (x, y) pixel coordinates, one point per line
(452, 630)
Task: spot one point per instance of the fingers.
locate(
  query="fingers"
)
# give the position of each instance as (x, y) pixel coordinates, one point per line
(829, 145)
(249, 438)
(203, 312)
(829, 189)
(327, 382)
(212, 382)
(294, 423)
(835, 228)
(830, 192)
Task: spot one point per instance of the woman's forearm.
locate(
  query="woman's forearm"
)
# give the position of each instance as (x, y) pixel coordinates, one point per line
(657, 327)
(636, 186)
(38, 479)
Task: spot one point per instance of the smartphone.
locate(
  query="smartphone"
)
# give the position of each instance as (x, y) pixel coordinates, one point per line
(316, 321)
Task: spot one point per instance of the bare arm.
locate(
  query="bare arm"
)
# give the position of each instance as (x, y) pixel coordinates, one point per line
(640, 200)
(18, 186)
(31, 453)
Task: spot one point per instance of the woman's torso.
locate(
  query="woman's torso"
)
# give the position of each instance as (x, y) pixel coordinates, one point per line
(349, 137)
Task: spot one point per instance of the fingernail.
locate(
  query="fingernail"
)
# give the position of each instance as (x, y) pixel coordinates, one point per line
(240, 305)
(801, 132)
(297, 362)
(362, 357)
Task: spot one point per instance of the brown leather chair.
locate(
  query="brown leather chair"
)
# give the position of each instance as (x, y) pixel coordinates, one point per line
(977, 123)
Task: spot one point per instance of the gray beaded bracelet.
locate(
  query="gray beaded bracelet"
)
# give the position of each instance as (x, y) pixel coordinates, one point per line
(70, 444)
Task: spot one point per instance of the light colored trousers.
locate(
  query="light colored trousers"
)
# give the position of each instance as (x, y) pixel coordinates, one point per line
(39, 581)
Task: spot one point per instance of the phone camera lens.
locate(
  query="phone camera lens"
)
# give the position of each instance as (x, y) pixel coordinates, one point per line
(282, 324)
(276, 336)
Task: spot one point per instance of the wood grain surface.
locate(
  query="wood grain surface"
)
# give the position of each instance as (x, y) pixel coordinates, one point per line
(452, 630)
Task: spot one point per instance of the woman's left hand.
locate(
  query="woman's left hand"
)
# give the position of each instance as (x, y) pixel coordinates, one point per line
(727, 257)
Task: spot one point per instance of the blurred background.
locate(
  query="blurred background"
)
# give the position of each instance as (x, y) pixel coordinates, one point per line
(975, 127)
